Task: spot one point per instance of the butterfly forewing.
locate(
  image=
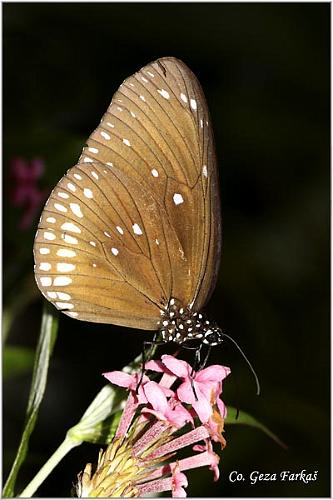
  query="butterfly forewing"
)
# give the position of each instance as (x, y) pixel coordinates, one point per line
(137, 220)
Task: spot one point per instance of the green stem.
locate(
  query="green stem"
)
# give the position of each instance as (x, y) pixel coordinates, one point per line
(66, 446)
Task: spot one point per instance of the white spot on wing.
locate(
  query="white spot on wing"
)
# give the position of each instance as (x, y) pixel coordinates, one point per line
(105, 136)
(49, 236)
(142, 97)
(92, 243)
(45, 266)
(73, 314)
(78, 177)
(94, 175)
(109, 124)
(45, 281)
(88, 193)
(62, 281)
(93, 150)
(63, 195)
(193, 103)
(107, 234)
(44, 251)
(109, 163)
(64, 267)
(154, 172)
(52, 295)
(75, 208)
(150, 74)
(69, 226)
(60, 207)
(87, 160)
(64, 305)
(69, 239)
(178, 199)
(133, 114)
(137, 229)
(183, 97)
(51, 219)
(63, 296)
(157, 242)
(71, 187)
(127, 142)
(65, 252)
(115, 251)
(144, 79)
(120, 230)
(204, 170)
(164, 93)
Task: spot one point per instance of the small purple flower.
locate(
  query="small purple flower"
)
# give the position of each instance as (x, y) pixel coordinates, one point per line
(156, 423)
(25, 192)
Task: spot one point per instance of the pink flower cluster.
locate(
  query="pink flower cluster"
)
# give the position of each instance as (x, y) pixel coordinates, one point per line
(25, 192)
(193, 410)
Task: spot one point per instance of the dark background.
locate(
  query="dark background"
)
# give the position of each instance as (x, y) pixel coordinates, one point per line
(265, 70)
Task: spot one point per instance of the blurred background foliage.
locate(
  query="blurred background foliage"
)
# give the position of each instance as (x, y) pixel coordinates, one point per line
(265, 70)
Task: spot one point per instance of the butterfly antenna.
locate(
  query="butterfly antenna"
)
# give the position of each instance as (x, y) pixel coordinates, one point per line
(247, 360)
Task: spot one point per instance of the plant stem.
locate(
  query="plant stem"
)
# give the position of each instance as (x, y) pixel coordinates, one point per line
(67, 445)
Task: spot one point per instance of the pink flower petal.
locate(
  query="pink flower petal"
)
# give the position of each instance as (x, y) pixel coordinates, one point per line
(214, 460)
(155, 366)
(119, 378)
(222, 408)
(19, 169)
(179, 416)
(155, 428)
(156, 397)
(203, 409)
(167, 379)
(185, 392)
(177, 366)
(178, 481)
(37, 168)
(214, 373)
(158, 414)
(180, 442)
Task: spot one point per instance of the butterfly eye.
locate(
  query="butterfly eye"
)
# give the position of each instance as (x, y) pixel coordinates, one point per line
(132, 232)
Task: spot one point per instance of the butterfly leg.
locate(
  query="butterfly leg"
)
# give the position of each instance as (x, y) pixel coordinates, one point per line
(204, 362)
(152, 344)
(196, 363)
(195, 367)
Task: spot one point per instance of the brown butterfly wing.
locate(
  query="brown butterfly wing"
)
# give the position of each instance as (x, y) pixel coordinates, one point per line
(137, 220)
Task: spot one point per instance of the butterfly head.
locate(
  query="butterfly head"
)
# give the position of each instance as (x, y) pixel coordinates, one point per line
(213, 336)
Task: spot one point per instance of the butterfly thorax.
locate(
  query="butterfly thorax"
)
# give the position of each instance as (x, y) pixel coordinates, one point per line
(181, 324)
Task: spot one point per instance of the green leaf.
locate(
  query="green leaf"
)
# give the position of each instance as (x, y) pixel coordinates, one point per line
(97, 425)
(17, 360)
(99, 422)
(16, 302)
(244, 418)
(47, 337)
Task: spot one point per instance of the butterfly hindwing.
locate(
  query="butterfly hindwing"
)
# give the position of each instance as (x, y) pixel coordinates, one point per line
(137, 221)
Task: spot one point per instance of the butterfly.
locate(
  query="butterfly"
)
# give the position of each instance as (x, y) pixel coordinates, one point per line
(131, 235)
